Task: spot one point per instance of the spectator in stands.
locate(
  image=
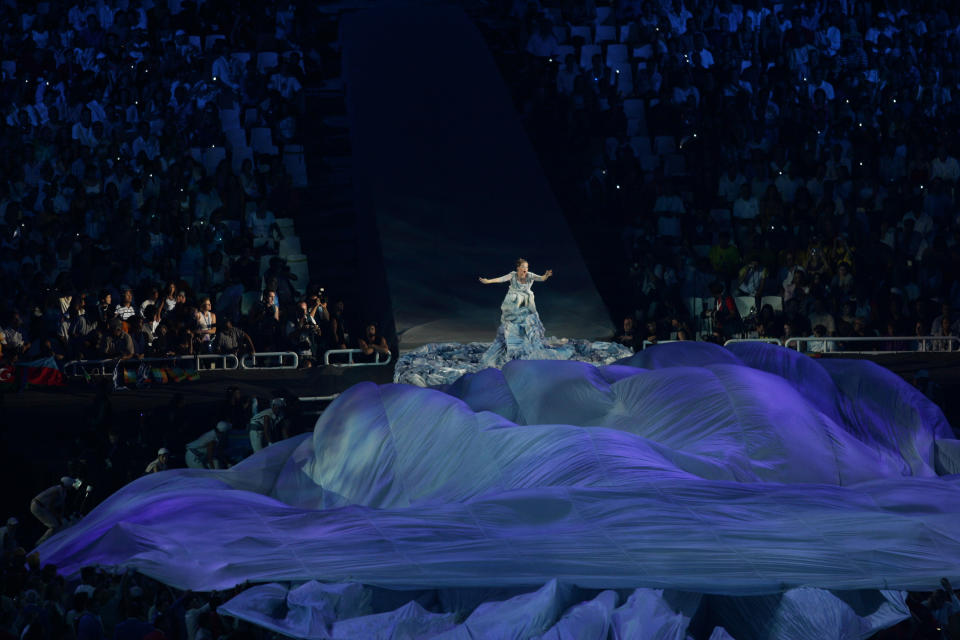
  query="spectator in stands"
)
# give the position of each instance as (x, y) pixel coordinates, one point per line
(206, 323)
(627, 336)
(567, 76)
(337, 336)
(725, 257)
(304, 334)
(119, 344)
(265, 321)
(920, 330)
(125, 309)
(731, 183)
(16, 340)
(745, 208)
(945, 313)
(821, 317)
(372, 346)
(723, 311)
(820, 346)
(231, 339)
(169, 298)
(152, 299)
(141, 336)
(317, 307)
(263, 227)
(751, 279)
(104, 310)
(543, 43)
(944, 166)
(945, 330)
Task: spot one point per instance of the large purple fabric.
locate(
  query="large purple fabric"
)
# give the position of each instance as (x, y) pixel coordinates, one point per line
(741, 472)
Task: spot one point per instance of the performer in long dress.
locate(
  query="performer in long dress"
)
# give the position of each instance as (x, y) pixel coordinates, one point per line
(520, 335)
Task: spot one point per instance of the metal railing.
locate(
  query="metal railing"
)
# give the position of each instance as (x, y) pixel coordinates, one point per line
(767, 340)
(228, 361)
(647, 343)
(650, 343)
(350, 363)
(316, 399)
(107, 366)
(249, 361)
(927, 344)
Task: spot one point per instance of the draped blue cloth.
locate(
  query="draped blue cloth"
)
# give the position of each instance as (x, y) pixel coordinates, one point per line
(815, 487)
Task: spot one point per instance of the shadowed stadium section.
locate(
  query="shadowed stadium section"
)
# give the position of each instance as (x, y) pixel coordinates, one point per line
(447, 178)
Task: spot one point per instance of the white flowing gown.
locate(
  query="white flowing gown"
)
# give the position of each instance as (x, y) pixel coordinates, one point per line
(520, 335)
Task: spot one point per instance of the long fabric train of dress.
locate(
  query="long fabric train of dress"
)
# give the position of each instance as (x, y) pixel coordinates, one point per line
(521, 335)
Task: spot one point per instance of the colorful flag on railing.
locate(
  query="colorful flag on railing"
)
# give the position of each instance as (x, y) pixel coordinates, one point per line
(40, 373)
(8, 378)
(157, 375)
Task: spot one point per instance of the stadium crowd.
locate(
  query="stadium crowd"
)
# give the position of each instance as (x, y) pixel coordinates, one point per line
(799, 156)
(773, 169)
(148, 171)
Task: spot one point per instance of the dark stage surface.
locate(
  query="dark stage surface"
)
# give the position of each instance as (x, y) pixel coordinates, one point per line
(448, 179)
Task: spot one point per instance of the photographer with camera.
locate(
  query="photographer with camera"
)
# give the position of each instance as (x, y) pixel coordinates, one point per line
(304, 334)
(317, 307)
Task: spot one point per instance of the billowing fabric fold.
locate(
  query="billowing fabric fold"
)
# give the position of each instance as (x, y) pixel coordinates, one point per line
(712, 472)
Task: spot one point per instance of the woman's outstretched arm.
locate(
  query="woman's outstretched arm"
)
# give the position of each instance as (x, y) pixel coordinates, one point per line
(505, 278)
(547, 274)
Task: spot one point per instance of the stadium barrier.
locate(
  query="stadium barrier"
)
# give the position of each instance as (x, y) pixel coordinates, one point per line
(350, 363)
(775, 341)
(106, 367)
(249, 361)
(921, 344)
